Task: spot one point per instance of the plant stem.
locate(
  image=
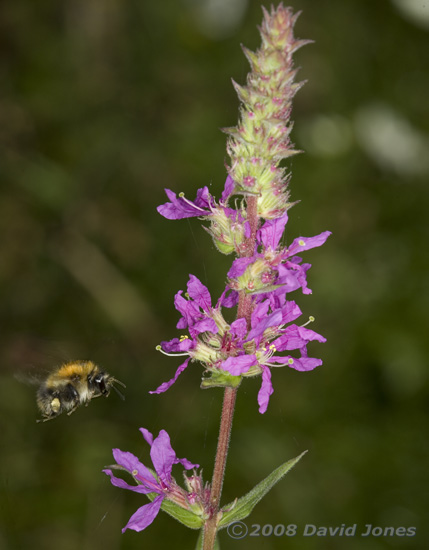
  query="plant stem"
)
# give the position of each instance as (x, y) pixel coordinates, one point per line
(222, 445)
(244, 310)
(252, 218)
(220, 463)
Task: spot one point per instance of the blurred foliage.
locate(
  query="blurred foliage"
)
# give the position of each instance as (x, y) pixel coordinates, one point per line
(103, 104)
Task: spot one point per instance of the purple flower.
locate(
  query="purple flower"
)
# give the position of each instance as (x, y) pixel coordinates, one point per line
(267, 337)
(274, 266)
(229, 228)
(180, 208)
(198, 316)
(202, 206)
(223, 348)
(163, 484)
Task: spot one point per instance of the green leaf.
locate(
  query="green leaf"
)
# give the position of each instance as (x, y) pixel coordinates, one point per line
(241, 508)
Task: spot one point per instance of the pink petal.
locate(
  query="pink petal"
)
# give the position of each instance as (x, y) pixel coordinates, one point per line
(147, 435)
(271, 232)
(118, 482)
(200, 293)
(144, 515)
(163, 456)
(265, 391)
(164, 387)
(239, 365)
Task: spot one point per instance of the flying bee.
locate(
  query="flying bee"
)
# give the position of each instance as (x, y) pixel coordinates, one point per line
(71, 385)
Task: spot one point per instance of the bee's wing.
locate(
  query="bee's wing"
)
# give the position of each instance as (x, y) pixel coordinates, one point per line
(32, 359)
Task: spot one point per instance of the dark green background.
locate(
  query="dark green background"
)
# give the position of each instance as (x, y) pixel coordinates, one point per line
(105, 103)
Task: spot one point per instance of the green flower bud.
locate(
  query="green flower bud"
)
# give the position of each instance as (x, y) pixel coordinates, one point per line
(261, 138)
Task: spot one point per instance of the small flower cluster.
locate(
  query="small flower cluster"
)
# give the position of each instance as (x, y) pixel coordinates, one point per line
(232, 349)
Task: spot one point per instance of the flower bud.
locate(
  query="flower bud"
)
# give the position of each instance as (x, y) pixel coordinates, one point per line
(261, 138)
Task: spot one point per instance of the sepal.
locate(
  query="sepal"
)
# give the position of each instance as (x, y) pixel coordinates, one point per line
(221, 379)
(185, 517)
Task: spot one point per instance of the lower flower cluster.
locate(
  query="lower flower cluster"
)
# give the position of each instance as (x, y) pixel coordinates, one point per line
(159, 485)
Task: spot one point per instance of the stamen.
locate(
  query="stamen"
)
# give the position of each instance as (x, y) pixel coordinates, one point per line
(159, 348)
(182, 196)
(311, 319)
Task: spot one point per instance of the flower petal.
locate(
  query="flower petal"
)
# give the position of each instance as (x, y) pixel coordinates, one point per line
(239, 328)
(306, 363)
(188, 308)
(290, 339)
(259, 312)
(271, 232)
(205, 325)
(163, 456)
(266, 390)
(239, 365)
(239, 266)
(118, 482)
(301, 364)
(177, 345)
(228, 189)
(200, 293)
(229, 298)
(305, 243)
(144, 515)
(180, 208)
(147, 435)
(164, 387)
(187, 464)
(273, 319)
(310, 335)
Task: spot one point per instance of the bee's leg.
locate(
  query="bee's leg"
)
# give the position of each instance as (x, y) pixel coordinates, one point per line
(72, 398)
(99, 395)
(75, 406)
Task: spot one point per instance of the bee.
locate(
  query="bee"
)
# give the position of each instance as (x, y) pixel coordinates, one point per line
(71, 385)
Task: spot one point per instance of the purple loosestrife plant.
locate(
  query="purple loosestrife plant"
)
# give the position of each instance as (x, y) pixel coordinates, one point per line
(248, 221)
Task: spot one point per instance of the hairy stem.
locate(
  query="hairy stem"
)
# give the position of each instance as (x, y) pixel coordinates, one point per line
(220, 463)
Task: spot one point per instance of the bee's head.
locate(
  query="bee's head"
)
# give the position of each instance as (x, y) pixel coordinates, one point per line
(102, 382)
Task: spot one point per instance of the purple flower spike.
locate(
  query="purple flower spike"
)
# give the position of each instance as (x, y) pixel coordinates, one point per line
(163, 458)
